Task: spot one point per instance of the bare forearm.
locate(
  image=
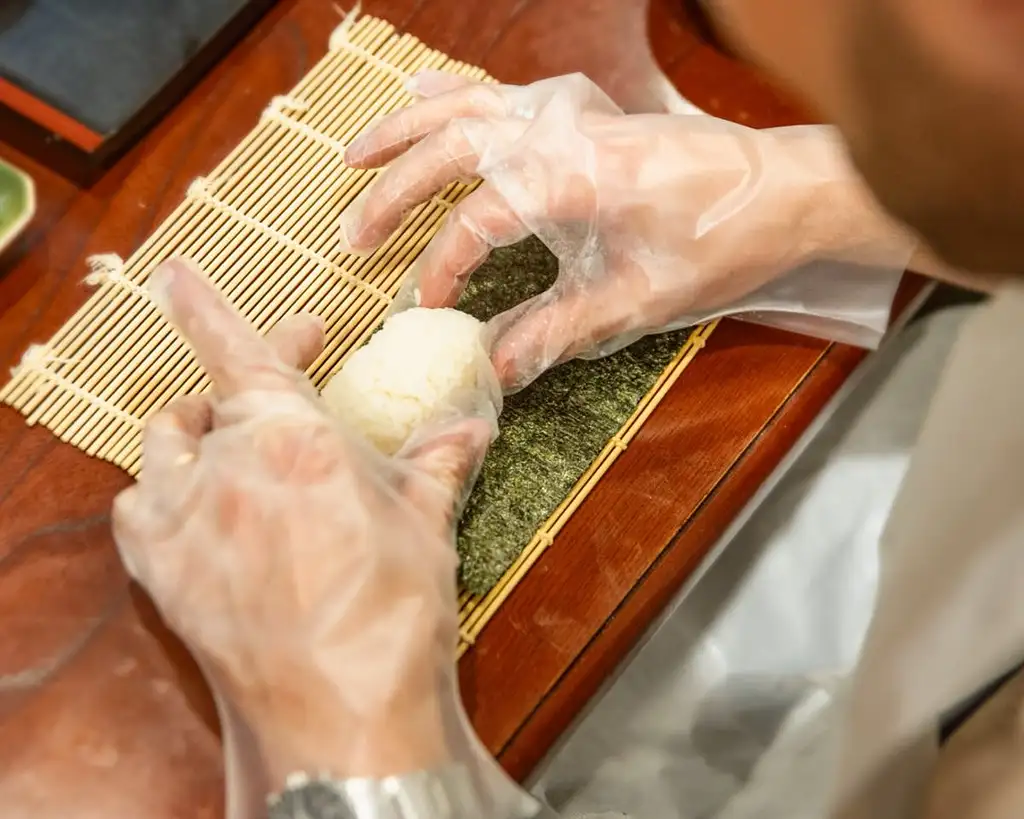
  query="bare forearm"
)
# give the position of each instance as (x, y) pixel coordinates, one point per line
(879, 226)
(849, 223)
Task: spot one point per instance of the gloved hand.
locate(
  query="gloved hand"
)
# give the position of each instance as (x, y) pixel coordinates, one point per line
(313, 579)
(658, 221)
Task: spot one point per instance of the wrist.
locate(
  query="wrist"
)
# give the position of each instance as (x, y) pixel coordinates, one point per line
(399, 773)
(856, 229)
(456, 791)
(307, 724)
(355, 748)
(448, 793)
(837, 215)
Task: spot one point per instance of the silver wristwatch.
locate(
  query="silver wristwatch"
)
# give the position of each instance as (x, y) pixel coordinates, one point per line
(449, 793)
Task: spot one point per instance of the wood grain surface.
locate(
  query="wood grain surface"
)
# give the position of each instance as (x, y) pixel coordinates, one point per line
(101, 710)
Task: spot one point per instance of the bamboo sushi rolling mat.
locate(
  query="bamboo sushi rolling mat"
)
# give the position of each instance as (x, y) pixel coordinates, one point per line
(264, 227)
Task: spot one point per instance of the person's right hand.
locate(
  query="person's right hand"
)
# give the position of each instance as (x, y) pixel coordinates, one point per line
(657, 221)
(313, 578)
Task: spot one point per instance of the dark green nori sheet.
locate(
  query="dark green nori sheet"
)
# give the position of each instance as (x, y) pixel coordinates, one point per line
(552, 431)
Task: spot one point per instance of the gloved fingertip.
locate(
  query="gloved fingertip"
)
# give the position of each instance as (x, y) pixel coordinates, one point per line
(467, 442)
(306, 320)
(451, 455)
(513, 376)
(298, 339)
(348, 234)
(504, 368)
(407, 297)
(312, 339)
(430, 82)
(431, 293)
(313, 320)
(412, 84)
(356, 235)
(160, 285)
(164, 282)
(344, 244)
(476, 436)
(511, 381)
(504, 361)
(357, 151)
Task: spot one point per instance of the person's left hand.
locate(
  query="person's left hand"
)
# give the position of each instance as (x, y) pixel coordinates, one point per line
(313, 579)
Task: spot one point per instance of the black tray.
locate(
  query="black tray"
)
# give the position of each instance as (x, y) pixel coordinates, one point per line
(82, 80)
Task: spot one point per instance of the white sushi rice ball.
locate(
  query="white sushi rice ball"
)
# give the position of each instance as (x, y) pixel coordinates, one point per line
(422, 364)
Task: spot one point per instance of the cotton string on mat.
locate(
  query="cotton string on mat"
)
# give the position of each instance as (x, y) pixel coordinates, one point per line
(264, 226)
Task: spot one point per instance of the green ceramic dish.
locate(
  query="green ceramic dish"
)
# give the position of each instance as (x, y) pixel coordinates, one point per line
(17, 203)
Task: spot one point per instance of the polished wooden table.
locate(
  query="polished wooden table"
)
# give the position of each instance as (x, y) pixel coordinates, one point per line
(101, 710)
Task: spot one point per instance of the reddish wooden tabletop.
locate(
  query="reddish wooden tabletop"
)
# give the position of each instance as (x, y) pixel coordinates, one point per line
(101, 711)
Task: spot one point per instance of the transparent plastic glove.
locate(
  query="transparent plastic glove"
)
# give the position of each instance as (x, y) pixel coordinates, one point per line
(312, 578)
(658, 221)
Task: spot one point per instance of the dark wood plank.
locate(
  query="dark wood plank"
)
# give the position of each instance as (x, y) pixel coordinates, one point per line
(724, 88)
(98, 697)
(713, 81)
